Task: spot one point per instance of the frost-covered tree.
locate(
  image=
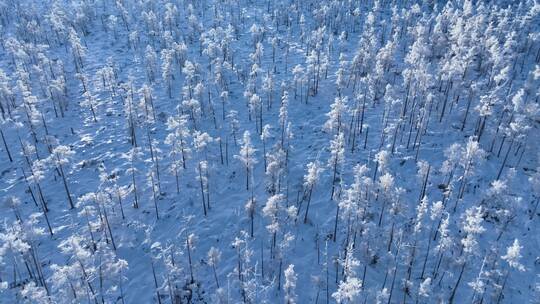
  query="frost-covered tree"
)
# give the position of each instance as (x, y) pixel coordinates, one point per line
(193, 107)
(472, 226)
(79, 274)
(31, 293)
(224, 97)
(348, 291)
(77, 49)
(214, 257)
(151, 63)
(60, 157)
(336, 115)
(299, 81)
(19, 251)
(167, 69)
(471, 156)
(337, 157)
(133, 155)
(201, 140)
(265, 135)
(268, 87)
(250, 207)
(7, 96)
(424, 290)
(382, 159)
(283, 116)
(255, 107)
(270, 210)
(232, 116)
(152, 183)
(191, 239)
(314, 170)
(513, 256)
(90, 102)
(178, 140)
(445, 241)
(246, 156)
(350, 286)
(290, 285)
(386, 185)
(275, 170)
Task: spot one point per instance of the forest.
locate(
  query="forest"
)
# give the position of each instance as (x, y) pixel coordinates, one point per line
(269, 151)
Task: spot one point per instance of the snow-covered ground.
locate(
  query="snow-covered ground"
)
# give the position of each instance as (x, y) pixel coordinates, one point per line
(169, 151)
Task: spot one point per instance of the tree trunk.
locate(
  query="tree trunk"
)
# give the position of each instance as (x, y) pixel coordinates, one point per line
(453, 294)
(66, 187)
(6, 146)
